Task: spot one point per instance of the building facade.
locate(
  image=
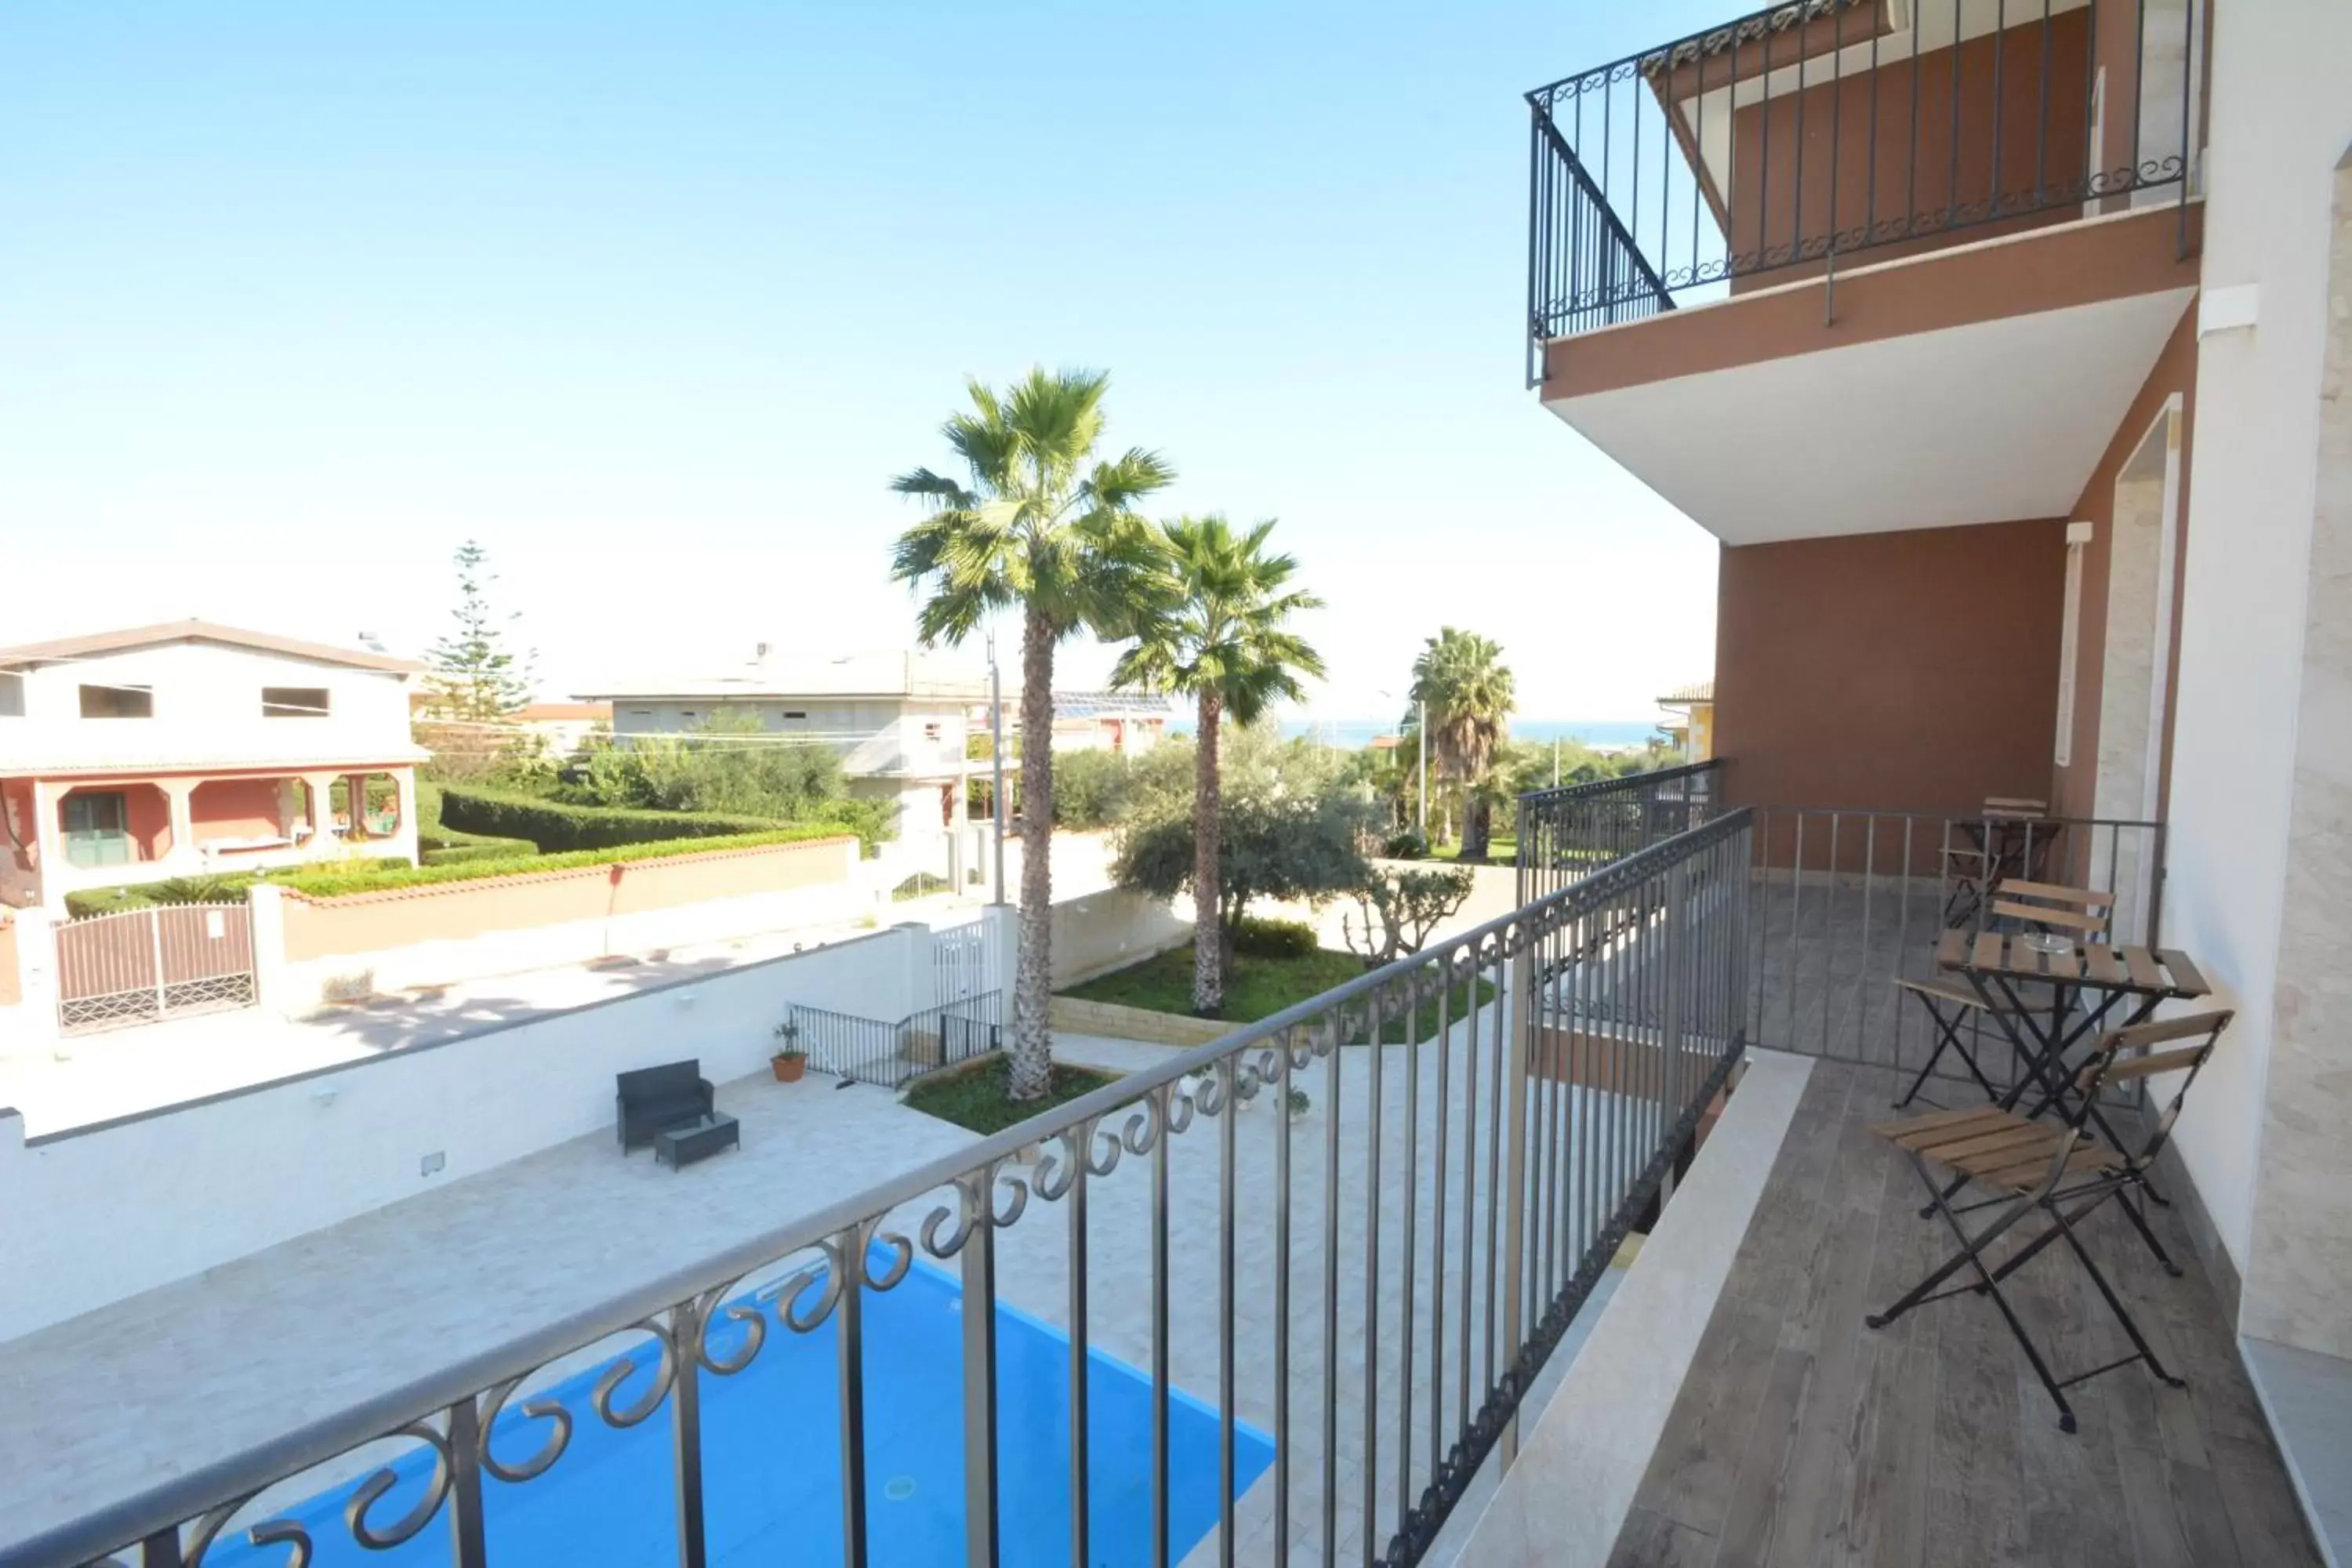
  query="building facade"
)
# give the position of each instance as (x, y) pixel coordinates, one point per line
(1689, 721)
(189, 749)
(2005, 349)
(898, 719)
(560, 729)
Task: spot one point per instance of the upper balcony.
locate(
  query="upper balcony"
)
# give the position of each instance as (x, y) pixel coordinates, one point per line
(1973, 196)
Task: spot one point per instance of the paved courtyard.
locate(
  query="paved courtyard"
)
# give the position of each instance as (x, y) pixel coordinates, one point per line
(197, 1369)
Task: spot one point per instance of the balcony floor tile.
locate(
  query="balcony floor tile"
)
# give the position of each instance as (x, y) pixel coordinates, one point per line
(1802, 1436)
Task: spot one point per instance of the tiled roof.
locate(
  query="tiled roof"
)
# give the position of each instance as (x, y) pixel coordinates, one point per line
(1696, 691)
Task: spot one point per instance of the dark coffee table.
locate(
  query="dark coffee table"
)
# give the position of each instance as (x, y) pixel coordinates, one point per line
(681, 1146)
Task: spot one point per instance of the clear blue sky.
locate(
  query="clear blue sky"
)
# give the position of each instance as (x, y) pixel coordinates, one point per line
(653, 299)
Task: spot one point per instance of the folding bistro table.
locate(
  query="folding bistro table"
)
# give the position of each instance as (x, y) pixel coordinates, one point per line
(2133, 980)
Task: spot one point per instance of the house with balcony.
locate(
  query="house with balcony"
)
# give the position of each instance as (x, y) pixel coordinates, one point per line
(1126, 724)
(2003, 350)
(1579, 1237)
(1689, 720)
(190, 748)
(898, 718)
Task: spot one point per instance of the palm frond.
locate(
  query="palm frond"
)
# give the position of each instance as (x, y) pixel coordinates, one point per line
(935, 487)
(1119, 484)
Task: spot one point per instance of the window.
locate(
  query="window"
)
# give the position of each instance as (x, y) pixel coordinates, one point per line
(118, 702)
(97, 828)
(294, 702)
(11, 695)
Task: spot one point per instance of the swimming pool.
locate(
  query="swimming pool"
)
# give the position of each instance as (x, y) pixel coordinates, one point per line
(771, 1466)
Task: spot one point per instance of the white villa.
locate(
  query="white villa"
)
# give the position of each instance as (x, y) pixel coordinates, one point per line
(898, 718)
(190, 748)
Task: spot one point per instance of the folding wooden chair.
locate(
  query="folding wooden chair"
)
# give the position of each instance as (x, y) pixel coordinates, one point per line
(2054, 1167)
(1948, 1005)
(2081, 913)
(2002, 842)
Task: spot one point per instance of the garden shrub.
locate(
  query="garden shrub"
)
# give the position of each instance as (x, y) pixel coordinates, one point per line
(357, 876)
(1405, 843)
(558, 829)
(1257, 937)
(1091, 789)
(485, 850)
(332, 878)
(228, 887)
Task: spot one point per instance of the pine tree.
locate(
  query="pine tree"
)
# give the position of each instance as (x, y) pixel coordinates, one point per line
(474, 678)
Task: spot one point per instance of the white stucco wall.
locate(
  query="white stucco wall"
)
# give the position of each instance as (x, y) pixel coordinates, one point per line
(104, 1212)
(2281, 119)
(208, 706)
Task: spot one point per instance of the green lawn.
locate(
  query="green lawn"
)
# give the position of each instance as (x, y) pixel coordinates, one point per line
(1256, 988)
(1501, 851)
(977, 1099)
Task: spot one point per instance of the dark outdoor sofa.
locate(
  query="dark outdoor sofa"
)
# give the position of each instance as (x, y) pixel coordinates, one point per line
(651, 1099)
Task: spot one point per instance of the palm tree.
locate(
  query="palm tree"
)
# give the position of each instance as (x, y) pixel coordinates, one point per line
(1460, 675)
(1219, 638)
(1037, 525)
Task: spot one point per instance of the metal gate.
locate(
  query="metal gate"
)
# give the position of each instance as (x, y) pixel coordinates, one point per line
(143, 964)
(963, 962)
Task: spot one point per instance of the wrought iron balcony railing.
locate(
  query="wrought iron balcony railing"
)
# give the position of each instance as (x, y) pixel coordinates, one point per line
(1815, 129)
(1354, 1232)
(1568, 833)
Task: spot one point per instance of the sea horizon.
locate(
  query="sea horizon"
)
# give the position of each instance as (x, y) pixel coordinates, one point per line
(1358, 732)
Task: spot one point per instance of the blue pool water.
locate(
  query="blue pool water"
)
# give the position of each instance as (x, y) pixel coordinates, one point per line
(773, 1468)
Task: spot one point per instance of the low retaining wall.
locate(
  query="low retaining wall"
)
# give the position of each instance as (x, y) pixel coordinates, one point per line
(1110, 929)
(1109, 1018)
(102, 1211)
(340, 949)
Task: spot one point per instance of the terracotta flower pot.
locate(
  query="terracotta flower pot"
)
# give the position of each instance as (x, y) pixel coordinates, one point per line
(789, 1066)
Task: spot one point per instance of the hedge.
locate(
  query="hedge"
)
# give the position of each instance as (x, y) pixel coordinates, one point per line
(557, 828)
(224, 888)
(330, 878)
(487, 849)
(354, 877)
(448, 847)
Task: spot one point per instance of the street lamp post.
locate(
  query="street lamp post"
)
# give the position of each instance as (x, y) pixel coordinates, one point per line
(1421, 706)
(1423, 727)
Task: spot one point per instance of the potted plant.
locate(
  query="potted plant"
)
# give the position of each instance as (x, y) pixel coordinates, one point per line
(1299, 1103)
(789, 1061)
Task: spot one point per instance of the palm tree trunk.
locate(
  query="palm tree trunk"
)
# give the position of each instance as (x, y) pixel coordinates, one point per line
(1032, 1063)
(1475, 835)
(1207, 931)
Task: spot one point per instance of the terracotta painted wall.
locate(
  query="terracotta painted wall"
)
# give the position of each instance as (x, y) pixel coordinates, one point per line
(234, 809)
(1781, 197)
(147, 814)
(728, 874)
(370, 922)
(2175, 372)
(11, 990)
(1913, 671)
